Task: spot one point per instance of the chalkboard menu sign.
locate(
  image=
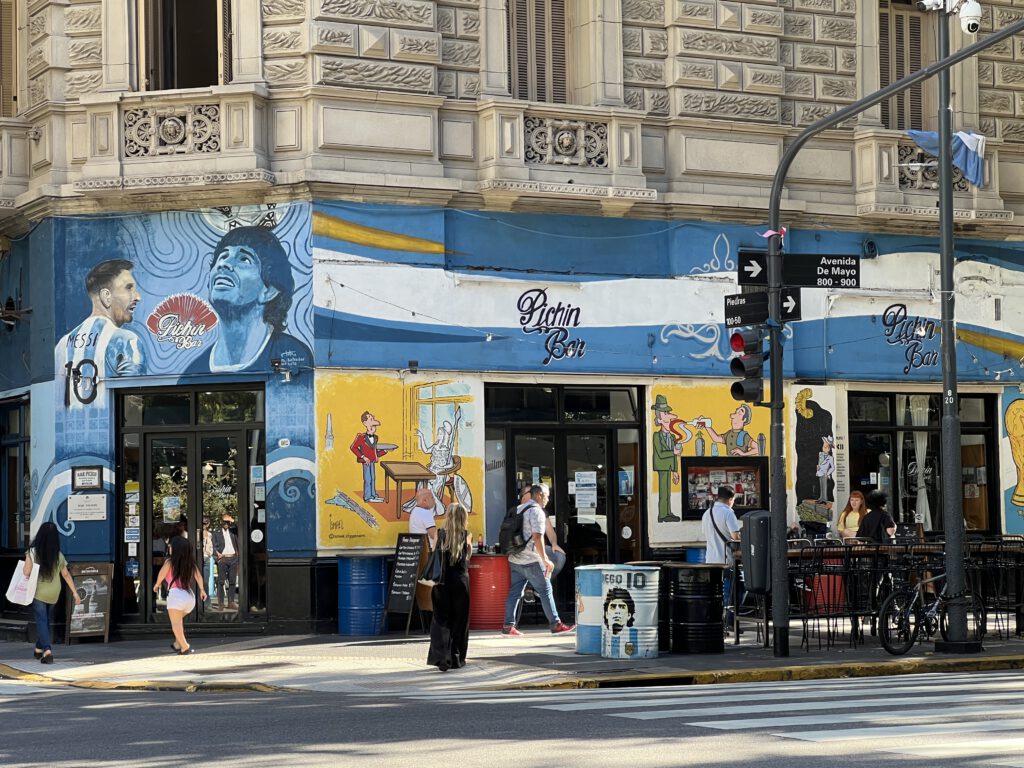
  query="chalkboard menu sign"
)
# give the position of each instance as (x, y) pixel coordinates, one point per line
(402, 590)
(92, 616)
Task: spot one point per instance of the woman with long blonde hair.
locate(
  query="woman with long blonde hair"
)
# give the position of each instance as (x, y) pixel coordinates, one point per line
(852, 514)
(449, 629)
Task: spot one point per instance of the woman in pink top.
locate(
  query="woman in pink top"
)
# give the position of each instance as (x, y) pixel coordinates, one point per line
(179, 571)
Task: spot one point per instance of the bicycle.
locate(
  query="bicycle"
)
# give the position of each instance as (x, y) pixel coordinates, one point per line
(909, 609)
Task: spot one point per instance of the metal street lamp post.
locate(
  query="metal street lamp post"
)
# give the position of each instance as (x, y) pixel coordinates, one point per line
(950, 420)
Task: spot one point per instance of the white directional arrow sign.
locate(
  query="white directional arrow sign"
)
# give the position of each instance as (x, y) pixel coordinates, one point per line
(753, 269)
(790, 300)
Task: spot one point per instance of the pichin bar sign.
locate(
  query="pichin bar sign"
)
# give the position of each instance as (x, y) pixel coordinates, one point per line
(554, 321)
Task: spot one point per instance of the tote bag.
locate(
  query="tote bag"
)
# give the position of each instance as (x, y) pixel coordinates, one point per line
(22, 590)
(433, 569)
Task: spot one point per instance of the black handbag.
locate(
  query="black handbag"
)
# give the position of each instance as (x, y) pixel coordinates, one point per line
(433, 570)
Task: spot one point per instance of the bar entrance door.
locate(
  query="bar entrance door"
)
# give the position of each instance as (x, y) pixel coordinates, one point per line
(195, 492)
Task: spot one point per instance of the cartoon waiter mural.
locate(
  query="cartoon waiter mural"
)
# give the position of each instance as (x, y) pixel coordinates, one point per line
(368, 451)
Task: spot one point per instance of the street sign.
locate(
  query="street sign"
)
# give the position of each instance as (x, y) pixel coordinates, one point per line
(821, 270)
(752, 267)
(810, 270)
(752, 308)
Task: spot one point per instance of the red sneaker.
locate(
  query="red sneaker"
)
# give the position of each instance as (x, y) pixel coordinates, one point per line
(511, 632)
(561, 628)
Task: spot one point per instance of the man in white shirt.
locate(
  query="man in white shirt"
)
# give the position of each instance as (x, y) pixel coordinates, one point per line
(720, 525)
(421, 520)
(533, 565)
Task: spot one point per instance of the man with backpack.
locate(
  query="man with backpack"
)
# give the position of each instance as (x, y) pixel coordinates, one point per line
(529, 562)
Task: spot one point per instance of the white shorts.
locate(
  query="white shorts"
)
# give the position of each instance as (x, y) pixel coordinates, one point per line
(180, 600)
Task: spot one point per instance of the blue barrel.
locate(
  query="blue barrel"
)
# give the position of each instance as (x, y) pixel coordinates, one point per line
(362, 592)
(589, 601)
(629, 622)
(696, 555)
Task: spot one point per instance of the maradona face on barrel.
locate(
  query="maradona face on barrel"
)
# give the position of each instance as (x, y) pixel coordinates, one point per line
(619, 610)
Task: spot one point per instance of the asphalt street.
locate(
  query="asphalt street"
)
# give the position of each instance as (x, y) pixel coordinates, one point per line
(974, 719)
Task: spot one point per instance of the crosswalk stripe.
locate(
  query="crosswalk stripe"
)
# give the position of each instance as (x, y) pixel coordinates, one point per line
(801, 705)
(746, 724)
(845, 686)
(903, 731)
(962, 748)
(711, 698)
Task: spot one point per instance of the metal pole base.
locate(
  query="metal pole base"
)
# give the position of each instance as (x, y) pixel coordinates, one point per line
(780, 637)
(955, 646)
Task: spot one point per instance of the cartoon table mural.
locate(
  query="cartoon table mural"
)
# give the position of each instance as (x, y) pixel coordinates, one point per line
(405, 412)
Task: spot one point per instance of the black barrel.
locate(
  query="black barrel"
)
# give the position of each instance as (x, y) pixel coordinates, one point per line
(694, 603)
(664, 624)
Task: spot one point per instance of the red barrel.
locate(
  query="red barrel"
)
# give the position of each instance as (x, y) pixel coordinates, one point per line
(488, 589)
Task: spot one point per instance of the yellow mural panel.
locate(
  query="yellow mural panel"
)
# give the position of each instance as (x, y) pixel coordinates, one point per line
(697, 420)
(380, 437)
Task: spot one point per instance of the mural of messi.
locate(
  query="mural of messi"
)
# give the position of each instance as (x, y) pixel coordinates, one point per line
(101, 346)
(251, 287)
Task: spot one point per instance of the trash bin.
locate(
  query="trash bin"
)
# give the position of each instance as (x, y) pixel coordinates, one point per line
(589, 602)
(695, 607)
(489, 581)
(664, 627)
(629, 623)
(362, 592)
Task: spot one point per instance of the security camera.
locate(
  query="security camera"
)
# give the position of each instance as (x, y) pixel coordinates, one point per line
(931, 5)
(970, 17)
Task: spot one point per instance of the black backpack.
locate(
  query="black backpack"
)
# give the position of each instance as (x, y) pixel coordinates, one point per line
(510, 535)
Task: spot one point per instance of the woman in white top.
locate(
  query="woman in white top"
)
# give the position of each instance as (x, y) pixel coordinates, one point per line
(421, 520)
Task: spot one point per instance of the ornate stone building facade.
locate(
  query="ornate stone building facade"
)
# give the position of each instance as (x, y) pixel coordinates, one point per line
(501, 231)
(674, 108)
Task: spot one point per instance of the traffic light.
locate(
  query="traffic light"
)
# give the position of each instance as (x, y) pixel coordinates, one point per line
(749, 366)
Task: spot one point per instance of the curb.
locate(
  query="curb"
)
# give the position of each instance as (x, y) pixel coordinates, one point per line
(777, 674)
(11, 673)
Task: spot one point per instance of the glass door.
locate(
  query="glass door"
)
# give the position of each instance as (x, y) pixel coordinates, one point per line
(222, 547)
(168, 507)
(586, 510)
(628, 534)
(192, 488)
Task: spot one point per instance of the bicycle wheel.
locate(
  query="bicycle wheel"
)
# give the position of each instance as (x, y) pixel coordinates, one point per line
(898, 621)
(975, 618)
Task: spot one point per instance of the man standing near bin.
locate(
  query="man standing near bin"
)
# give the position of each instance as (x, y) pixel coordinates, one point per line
(721, 528)
(531, 565)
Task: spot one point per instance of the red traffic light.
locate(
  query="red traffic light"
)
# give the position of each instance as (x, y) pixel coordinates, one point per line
(746, 342)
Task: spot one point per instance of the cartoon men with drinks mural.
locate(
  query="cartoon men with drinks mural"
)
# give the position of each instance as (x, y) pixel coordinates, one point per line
(675, 437)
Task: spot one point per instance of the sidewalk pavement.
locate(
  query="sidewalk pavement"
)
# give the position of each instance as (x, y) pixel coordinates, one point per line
(395, 663)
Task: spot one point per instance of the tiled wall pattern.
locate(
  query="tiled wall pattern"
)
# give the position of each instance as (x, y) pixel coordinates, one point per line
(726, 59)
(392, 45)
(645, 55)
(1001, 75)
(458, 22)
(819, 54)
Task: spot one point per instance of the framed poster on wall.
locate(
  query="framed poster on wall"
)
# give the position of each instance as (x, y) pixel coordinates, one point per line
(87, 478)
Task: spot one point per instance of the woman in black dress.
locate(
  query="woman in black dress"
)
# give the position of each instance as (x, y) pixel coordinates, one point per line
(449, 630)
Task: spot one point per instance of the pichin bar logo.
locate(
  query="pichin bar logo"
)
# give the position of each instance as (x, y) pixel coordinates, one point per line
(182, 320)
